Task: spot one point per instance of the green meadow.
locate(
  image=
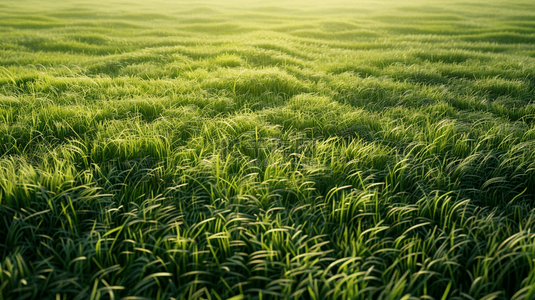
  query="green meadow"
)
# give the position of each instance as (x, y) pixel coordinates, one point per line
(267, 149)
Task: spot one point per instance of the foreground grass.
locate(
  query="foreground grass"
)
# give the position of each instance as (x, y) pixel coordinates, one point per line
(202, 151)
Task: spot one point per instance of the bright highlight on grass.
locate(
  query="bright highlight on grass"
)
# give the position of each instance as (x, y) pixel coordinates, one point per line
(266, 150)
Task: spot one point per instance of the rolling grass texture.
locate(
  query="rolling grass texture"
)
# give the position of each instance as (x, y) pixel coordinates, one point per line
(266, 150)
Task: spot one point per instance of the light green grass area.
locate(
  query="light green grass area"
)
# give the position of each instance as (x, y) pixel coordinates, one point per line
(267, 150)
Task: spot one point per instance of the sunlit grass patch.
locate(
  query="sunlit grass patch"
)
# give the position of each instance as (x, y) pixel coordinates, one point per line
(228, 60)
(501, 87)
(257, 82)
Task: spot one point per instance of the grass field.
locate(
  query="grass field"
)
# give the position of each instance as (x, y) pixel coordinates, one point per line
(266, 150)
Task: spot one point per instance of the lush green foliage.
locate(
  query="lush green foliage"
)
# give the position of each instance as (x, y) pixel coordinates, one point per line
(265, 151)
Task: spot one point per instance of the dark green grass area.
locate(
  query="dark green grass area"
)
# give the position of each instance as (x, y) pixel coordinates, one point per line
(266, 150)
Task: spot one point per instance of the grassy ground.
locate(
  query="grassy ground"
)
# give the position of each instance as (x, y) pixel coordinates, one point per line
(263, 150)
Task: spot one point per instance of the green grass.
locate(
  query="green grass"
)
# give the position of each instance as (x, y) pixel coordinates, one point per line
(266, 150)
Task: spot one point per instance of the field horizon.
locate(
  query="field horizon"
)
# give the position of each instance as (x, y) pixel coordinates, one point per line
(267, 150)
